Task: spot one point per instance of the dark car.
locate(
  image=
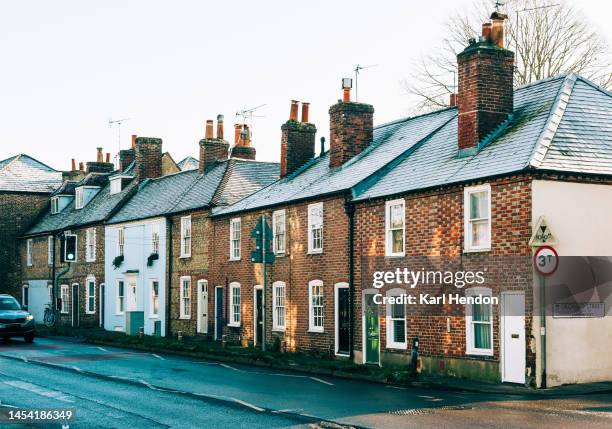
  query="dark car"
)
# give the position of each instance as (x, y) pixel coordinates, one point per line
(14, 320)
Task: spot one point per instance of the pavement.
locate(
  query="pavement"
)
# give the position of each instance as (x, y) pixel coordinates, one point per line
(113, 387)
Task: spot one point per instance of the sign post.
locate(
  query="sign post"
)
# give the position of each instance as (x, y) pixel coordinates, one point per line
(262, 233)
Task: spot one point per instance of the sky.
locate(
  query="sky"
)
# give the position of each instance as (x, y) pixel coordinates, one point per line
(68, 67)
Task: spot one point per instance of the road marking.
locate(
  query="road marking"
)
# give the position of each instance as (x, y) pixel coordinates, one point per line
(76, 368)
(224, 365)
(246, 404)
(39, 390)
(396, 387)
(426, 397)
(23, 358)
(321, 381)
(102, 348)
(157, 356)
(150, 386)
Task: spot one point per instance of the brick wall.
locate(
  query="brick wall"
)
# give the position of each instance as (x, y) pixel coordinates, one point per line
(17, 213)
(351, 129)
(148, 155)
(297, 145)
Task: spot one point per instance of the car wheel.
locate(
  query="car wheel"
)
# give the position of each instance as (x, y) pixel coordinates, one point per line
(28, 338)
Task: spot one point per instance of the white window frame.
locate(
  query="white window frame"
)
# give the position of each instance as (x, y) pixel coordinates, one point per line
(54, 205)
(152, 297)
(235, 238)
(279, 245)
(65, 297)
(391, 343)
(115, 185)
(235, 308)
(467, 225)
(50, 250)
(185, 298)
(29, 252)
(389, 232)
(120, 298)
(312, 327)
(120, 241)
(186, 234)
(78, 198)
(155, 238)
(50, 293)
(25, 296)
(277, 304)
(90, 244)
(312, 226)
(470, 348)
(88, 281)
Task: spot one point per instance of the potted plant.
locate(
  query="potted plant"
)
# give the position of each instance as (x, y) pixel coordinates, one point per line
(118, 261)
(152, 257)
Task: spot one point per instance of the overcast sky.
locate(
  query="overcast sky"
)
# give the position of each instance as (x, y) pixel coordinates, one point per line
(67, 67)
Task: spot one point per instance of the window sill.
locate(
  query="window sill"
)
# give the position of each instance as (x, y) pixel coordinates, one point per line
(479, 352)
(233, 325)
(277, 329)
(280, 255)
(90, 312)
(477, 250)
(234, 259)
(120, 314)
(315, 252)
(184, 256)
(397, 346)
(315, 331)
(395, 255)
(184, 317)
(64, 312)
(153, 317)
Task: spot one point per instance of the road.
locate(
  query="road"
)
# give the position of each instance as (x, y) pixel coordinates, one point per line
(117, 388)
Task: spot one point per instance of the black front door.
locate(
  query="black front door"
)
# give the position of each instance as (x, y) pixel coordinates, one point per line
(343, 321)
(259, 316)
(75, 305)
(218, 313)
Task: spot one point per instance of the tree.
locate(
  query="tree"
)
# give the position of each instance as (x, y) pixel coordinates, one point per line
(548, 40)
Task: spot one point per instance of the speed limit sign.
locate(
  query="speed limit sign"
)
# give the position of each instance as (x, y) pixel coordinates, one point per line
(546, 260)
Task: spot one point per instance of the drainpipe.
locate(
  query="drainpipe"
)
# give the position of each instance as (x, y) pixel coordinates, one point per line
(169, 272)
(349, 208)
(56, 276)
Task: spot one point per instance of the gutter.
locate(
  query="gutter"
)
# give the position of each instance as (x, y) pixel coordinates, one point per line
(349, 209)
(168, 272)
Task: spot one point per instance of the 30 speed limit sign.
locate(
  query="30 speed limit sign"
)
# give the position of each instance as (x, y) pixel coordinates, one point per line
(546, 260)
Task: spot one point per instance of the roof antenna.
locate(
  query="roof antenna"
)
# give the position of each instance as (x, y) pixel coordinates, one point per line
(248, 115)
(117, 122)
(358, 68)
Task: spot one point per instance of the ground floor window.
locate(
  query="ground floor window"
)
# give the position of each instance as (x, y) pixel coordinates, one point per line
(154, 298)
(120, 297)
(396, 322)
(90, 295)
(65, 297)
(234, 319)
(479, 324)
(315, 295)
(278, 300)
(24, 296)
(185, 310)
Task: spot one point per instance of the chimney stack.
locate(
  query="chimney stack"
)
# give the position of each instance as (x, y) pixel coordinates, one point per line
(242, 147)
(219, 127)
(148, 155)
(297, 140)
(351, 127)
(99, 166)
(485, 75)
(211, 149)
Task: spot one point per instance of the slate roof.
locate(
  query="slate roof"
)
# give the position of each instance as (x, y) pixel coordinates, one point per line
(562, 123)
(188, 163)
(22, 173)
(224, 183)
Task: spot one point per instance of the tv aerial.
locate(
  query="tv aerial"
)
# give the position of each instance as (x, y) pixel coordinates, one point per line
(117, 123)
(357, 70)
(247, 116)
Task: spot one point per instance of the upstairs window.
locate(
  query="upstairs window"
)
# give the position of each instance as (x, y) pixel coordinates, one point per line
(186, 237)
(234, 319)
(50, 250)
(78, 199)
(29, 252)
(477, 212)
(315, 228)
(316, 306)
(395, 227)
(235, 237)
(115, 185)
(55, 205)
(90, 244)
(278, 228)
(120, 241)
(155, 238)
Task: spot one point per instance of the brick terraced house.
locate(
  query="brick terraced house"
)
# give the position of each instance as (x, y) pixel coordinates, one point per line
(461, 189)
(25, 186)
(75, 214)
(163, 236)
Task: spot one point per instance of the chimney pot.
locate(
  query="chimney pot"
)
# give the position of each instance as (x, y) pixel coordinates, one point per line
(81, 166)
(305, 112)
(134, 137)
(209, 130)
(107, 157)
(346, 95)
(453, 99)
(99, 156)
(73, 164)
(237, 132)
(293, 114)
(497, 29)
(219, 127)
(486, 31)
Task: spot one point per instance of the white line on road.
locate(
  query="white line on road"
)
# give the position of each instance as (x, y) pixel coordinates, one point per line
(102, 348)
(224, 365)
(321, 381)
(23, 358)
(157, 356)
(246, 404)
(39, 390)
(76, 368)
(396, 387)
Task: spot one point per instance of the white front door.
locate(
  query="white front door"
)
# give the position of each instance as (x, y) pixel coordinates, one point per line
(203, 307)
(513, 337)
(131, 298)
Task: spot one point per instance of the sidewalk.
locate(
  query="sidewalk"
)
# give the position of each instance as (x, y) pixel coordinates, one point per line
(309, 364)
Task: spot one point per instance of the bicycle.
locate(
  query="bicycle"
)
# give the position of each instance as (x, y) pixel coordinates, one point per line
(50, 316)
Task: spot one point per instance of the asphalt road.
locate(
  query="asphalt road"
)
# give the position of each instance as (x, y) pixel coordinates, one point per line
(116, 388)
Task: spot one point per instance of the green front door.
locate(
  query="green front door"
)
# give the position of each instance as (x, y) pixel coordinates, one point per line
(372, 331)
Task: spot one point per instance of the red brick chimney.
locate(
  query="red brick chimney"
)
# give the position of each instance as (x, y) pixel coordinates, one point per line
(212, 149)
(297, 140)
(242, 146)
(485, 96)
(351, 129)
(99, 166)
(148, 158)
